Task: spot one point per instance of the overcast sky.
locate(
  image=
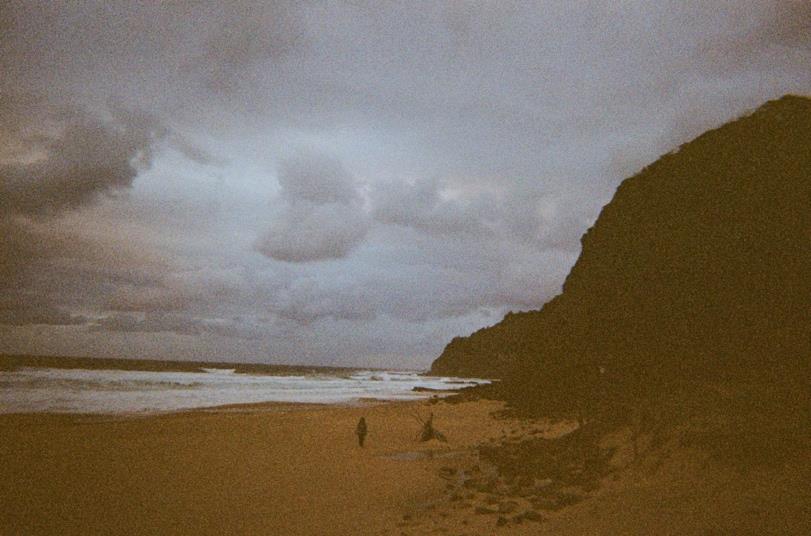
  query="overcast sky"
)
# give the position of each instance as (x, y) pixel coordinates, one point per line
(342, 183)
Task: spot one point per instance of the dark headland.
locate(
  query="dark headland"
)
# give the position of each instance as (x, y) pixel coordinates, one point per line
(698, 269)
(686, 320)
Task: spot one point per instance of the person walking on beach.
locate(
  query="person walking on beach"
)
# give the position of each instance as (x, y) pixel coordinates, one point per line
(361, 431)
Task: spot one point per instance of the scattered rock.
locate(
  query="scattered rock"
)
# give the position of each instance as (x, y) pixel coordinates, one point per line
(501, 521)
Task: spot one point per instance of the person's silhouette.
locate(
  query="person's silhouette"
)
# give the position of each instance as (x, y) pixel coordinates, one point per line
(361, 431)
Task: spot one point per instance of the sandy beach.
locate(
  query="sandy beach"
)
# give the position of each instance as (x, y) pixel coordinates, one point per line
(297, 469)
(275, 469)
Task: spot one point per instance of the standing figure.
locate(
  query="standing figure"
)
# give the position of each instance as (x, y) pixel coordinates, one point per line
(361, 430)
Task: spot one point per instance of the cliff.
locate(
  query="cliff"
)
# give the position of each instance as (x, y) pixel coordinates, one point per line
(699, 266)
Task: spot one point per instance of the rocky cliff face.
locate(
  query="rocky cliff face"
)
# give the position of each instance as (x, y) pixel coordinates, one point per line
(700, 263)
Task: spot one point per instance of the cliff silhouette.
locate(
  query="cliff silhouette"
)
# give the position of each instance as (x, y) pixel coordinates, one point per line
(697, 271)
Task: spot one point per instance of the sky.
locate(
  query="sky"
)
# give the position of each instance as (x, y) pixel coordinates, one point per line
(338, 183)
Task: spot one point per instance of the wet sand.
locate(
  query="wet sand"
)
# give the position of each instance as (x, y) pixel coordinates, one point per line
(297, 469)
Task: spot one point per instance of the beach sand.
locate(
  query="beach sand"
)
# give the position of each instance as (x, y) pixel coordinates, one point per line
(274, 469)
(297, 469)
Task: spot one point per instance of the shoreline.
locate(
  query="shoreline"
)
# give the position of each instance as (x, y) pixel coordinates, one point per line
(107, 392)
(269, 406)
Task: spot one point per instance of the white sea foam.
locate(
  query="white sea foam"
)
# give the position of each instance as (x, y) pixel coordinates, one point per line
(32, 389)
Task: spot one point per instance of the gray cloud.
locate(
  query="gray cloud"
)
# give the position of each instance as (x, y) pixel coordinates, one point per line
(317, 178)
(306, 232)
(421, 206)
(49, 276)
(322, 216)
(787, 27)
(175, 291)
(246, 35)
(176, 323)
(16, 314)
(307, 300)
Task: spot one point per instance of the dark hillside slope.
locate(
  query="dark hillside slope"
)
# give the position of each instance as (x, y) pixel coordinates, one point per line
(699, 268)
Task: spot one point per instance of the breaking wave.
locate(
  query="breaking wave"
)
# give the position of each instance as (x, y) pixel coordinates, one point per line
(32, 389)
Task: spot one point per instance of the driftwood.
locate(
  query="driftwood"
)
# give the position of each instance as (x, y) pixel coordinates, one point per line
(428, 431)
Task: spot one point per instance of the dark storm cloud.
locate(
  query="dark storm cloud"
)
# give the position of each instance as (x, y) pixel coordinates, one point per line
(75, 160)
(57, 159)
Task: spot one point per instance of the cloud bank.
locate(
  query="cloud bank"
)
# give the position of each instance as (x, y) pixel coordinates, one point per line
(341, 183)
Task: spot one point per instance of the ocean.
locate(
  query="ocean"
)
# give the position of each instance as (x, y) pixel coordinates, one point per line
(106, 391)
